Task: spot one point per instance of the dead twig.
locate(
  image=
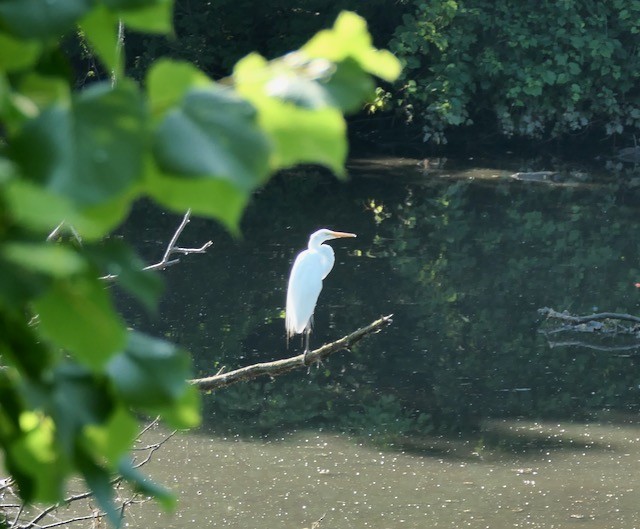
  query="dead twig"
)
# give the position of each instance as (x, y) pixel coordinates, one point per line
(278, 367)
(172, 248)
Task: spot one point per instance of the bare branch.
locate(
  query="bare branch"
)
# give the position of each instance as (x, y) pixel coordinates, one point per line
(278, 367)
(58, 230)
(171, 247)
(596, 347)
(576, 320)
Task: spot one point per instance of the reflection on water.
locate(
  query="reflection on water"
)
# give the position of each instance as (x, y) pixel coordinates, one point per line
(460, 414)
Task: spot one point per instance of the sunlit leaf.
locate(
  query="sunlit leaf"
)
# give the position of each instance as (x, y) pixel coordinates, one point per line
(41, 19)
(185, 412)
(349, 39)
(154, 18)
(114, 438)
(350, 86)
(32, 460)
(299, 135)
(217, 199)
(168, 82)
(50, 259)
(42, 210)
(79, 315)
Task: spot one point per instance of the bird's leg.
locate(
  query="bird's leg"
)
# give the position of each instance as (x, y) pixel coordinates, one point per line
(307, 332)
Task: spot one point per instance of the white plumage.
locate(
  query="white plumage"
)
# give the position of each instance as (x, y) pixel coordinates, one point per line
(305, 282)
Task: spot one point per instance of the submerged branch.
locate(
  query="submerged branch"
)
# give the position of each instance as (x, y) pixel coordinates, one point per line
(278, 367)
(577, 320)
(613, 327)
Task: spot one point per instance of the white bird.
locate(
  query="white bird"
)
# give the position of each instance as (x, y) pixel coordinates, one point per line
(305, 282)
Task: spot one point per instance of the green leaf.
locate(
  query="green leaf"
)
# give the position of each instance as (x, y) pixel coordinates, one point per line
(150, 373)
(213, 134)
(41, 19)
(145, 486)
(349, 38)
(115, 257)
(114, 438)
(299, 135)
(99, 481)
(168, 82)
(50, 259)
(17, 54)
(155, 18)
(299, 91)
(350, 87)
(100, 27)
(20, 346)
(75, 399)
(185, 412)
(211, 198)
(40, 209)
(32, 460)
(304, 136)
(78, 315)
(130, 4)
(44, 91)
(91, 152)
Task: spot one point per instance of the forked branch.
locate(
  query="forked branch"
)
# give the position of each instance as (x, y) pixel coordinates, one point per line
(278, 367)
(172, 248)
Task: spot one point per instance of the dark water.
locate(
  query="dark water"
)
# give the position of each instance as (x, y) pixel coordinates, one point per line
(461, 413)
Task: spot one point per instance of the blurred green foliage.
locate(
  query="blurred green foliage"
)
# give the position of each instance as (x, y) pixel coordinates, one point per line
(74, 379)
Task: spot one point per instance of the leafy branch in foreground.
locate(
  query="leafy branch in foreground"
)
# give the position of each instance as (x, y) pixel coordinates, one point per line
(74, 380)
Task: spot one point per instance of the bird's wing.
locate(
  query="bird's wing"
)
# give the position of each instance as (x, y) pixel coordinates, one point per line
(305, 284)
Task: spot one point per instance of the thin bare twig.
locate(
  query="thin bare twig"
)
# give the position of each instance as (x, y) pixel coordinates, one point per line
(278, 367)
(58, 230)
(316, 524)
(172, 248)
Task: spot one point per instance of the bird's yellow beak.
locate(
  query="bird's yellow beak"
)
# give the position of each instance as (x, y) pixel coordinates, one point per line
(339, 234)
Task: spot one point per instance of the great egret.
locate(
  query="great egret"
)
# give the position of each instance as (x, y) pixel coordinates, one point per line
(305, 282)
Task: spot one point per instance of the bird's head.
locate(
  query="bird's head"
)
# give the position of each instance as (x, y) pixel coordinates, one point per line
(325, 234)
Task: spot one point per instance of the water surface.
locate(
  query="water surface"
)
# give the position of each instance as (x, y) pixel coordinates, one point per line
(460, 414)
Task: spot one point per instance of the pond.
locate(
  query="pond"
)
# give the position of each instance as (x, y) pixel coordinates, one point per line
(462, 413)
